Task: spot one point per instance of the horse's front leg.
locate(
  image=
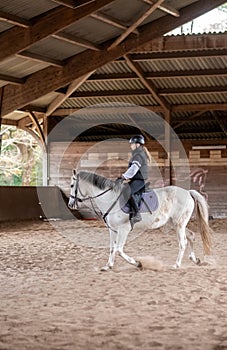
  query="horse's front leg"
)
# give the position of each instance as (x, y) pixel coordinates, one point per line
(110, 263)
(121, 239)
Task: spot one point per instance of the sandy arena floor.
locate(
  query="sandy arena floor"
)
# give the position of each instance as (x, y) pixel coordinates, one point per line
(53, 295)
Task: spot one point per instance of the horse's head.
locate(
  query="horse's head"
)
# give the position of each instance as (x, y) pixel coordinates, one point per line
(73, 200)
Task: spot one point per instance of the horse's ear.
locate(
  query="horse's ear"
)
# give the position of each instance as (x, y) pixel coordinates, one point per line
(74, 172)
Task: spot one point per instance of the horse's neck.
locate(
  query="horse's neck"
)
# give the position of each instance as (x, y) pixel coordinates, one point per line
(102, 199)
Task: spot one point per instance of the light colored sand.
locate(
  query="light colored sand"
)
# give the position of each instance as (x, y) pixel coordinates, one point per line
(53, 296)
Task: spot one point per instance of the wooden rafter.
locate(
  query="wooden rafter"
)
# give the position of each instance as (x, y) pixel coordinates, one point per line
(177, 108)
(147, 83)
(139, 20)
(77, 41)
(15, 20)
(52, 78)
(110, 93)
(192, 117)
(166, 8)
(194, 90)
(38, 129)
(200, 107)
(160, 74)
(50, 23)
(112, 21)
(73, 3)
(71, 88)
(67, 3)
(33, 108)
(157, 94)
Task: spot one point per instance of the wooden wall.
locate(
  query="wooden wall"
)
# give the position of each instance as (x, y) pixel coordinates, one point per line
(206, 171)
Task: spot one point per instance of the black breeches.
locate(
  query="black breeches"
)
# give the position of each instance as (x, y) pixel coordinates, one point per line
(136, 187)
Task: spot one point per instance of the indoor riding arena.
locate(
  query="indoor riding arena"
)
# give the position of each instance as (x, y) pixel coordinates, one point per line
(81, 78)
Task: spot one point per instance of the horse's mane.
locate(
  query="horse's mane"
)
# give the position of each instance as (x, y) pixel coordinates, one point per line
(97, 180)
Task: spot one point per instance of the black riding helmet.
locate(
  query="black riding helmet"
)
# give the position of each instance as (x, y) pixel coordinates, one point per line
(137, 139)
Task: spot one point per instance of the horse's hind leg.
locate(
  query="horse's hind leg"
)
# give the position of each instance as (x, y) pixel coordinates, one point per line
(191, 239)
(182, 245)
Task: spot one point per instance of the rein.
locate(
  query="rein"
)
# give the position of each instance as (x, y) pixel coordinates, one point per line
(81, 200)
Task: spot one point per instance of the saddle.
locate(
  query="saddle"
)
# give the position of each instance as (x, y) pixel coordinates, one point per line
(147, 202)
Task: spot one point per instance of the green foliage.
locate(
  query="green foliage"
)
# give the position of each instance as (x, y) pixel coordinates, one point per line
(20, 159)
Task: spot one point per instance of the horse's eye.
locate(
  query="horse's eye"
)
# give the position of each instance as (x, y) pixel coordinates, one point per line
(71, 186)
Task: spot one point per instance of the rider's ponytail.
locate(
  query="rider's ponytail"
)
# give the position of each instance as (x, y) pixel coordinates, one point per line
(147, 154)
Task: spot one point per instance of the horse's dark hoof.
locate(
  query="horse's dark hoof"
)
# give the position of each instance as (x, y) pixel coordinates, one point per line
(139, 265)
(106, 268)
(198, 261)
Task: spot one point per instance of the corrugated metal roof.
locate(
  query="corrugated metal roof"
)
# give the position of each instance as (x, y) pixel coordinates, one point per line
(57, 49)
(20, 67)
(114, 67)
(110, 85)
(81, 102)
(106, 88)
(93, 30)
(25, 8)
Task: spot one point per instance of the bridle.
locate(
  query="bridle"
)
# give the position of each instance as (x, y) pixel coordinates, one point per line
(90, 198)
(83, 199)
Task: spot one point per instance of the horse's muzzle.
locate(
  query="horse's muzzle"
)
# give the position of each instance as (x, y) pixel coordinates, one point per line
(71, 203)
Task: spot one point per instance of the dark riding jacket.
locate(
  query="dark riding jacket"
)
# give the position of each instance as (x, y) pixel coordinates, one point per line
(137, 169)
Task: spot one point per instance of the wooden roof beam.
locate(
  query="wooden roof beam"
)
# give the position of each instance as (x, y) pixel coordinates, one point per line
(159, 75)
(147, 91)
(136, 24)
(110, 93)
(71, 88)
(15, 20)
(12, 80)
(112, 21)
(67, 3)
(49, 24)
(166, 8)
(200, 107)
(77, 41)
(40, 58)
(5, 121)
(148, 84)
(192, 117)
(175, 108)
(72, 3)
(193, 90)
(52, 78)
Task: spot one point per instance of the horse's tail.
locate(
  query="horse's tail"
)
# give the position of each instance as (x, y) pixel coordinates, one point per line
(202, 214)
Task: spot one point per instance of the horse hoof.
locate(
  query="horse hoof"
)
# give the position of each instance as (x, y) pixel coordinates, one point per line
(175, 266)
(105, 268)
(198, 261)
(139, 265)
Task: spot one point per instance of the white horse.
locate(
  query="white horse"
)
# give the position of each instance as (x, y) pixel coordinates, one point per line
(175, 204)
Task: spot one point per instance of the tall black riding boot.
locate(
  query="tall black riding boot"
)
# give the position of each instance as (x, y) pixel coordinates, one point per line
(136, 217)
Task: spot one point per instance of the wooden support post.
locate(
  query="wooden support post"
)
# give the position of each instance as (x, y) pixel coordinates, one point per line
(167, 143)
